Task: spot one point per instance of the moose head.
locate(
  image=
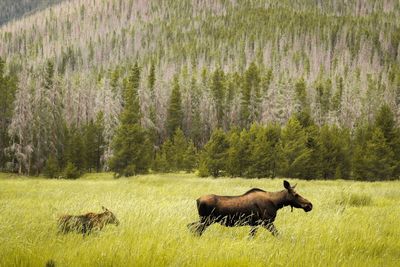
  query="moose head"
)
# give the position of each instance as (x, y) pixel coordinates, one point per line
(295, 200)
(110, 217)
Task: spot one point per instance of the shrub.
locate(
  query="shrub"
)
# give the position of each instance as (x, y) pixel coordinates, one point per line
(71, 172)
(51, 168)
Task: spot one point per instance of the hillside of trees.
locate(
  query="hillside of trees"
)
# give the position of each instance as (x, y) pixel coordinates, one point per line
(14, 9)
(307, 89)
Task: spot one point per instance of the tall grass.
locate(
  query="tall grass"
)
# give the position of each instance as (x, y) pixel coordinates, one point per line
(154, 210)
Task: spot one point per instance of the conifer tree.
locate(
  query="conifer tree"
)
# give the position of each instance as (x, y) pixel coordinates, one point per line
(196, 129)
(266, 152)
(335, 154)
(218, 91)
(234, 155)
(94, 143)
(215, 153)
(180, 146)
(48, 119)
(376, 161)
(250, 99)
(153, 112)
(385, 121)
(301, 95)
(75, 148)
(160, 162)
(131, 145)
(190, 157)
(8, 87)
(295, 152)
(175, 115)
(239, 153)
(165, 160)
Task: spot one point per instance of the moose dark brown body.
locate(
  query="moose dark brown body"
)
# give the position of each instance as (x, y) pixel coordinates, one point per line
(87, 222)
(254, 208)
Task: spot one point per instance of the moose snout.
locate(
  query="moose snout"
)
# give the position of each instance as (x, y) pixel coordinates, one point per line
(308, 207)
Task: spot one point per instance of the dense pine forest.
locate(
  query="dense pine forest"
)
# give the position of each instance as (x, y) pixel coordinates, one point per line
(265, 88)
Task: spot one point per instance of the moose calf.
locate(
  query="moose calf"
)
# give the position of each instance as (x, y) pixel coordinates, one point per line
(87, 222)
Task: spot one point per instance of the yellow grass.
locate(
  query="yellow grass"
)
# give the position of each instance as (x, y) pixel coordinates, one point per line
(352, 224)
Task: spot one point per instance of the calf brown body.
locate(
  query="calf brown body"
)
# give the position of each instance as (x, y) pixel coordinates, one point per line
(87, 222)
(254, 208)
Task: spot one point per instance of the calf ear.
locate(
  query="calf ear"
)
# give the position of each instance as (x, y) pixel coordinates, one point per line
(286, 184)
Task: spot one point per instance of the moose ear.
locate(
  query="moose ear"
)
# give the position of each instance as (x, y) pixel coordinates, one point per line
(103, 208)
(286, 184)
(294, 186)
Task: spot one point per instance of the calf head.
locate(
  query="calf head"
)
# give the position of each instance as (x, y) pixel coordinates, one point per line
(110, 217)
(295, 200)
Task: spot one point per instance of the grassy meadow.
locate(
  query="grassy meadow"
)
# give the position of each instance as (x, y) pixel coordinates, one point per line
(352, 223)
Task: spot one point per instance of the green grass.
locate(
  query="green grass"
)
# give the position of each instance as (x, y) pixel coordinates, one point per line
(352, 224)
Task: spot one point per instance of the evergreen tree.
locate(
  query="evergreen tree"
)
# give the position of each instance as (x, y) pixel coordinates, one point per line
(160, 163)
(250, 99)
(335, 154)
(266, 152)
(375, 162)
(175, 114)
(234, 156)
(152, 109)
(363, 133)
(131, 145)
(180, 147)
(8, 87)
(215, 153)
(323, 100)
(196, 131)
(176, 155)
(190, 157)
(71, 172)
(313, 144)
(337, 99)
(239, 153)
(385, 121)
(165, 160)
(131, 113)
(301, 95)
(89, 146)
(295, 151)
(75, 152)
(132, 151)
(51, 169)
(94, 143)
(49, 125)
(218, 91)
(100, 142)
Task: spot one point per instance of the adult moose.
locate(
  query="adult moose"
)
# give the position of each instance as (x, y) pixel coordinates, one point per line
(255, 208)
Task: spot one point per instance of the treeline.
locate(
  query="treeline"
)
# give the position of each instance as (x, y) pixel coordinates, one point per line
(38, 137)
(302, 149)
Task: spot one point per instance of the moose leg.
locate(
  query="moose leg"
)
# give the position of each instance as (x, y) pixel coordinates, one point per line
(193, 227)
(84, 230)
(198, 227)
(253, 231)
(271, 227)
(203, 224)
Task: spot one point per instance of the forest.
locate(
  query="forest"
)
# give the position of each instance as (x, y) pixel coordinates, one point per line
(304, 89)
